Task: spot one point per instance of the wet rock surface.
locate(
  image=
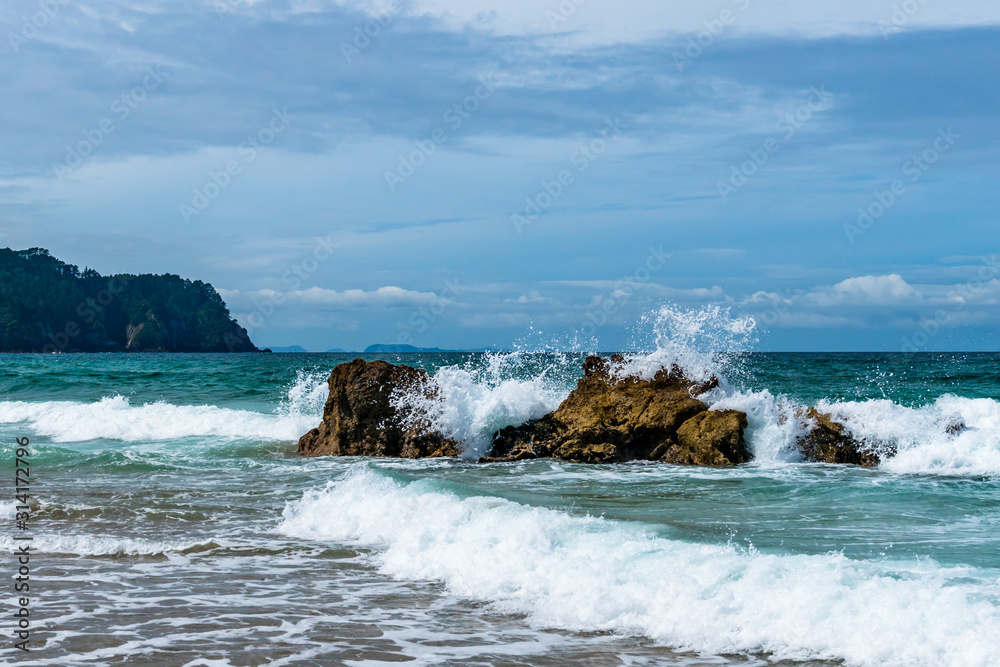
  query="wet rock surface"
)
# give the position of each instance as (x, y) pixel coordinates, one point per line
(612, 419)
(829, 441)
(359, 418)
(608, 418)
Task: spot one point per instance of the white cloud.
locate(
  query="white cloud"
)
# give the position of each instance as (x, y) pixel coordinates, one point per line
(531, 297)
(383, 297)
(889, 300)
(588, 22)
(890, 289)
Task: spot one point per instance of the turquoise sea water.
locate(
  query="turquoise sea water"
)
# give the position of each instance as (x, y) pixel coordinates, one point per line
(175, 525)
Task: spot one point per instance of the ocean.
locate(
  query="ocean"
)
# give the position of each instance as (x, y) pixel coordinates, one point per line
(174, 524)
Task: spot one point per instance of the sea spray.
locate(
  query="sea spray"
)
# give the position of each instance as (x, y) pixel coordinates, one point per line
(306, 395)
(469, 403)
(703, 343)
(951, 436)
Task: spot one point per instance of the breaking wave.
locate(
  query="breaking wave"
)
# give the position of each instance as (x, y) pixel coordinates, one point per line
(115, 418)
(593, 575)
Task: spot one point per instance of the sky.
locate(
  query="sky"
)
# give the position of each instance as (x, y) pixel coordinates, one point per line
(536, 173)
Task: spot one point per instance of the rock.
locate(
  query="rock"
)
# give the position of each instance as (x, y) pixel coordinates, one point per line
(954, 424)
(529, 441)
(710, 439)
(359, 418)
(829, 441)
(609, 419)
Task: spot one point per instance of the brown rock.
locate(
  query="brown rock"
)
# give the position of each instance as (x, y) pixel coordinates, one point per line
(608, 419)
(360, 420)
(710, 439)
(532, 440)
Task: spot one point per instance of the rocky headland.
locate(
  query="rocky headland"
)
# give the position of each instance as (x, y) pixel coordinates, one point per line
(49, 306)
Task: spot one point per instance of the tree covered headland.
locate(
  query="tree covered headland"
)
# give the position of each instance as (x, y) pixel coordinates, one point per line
(49, 306)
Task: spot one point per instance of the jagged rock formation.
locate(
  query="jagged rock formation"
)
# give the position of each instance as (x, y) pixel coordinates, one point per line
(606, 419)
(828, 441)
(359, 418)
(610, 419)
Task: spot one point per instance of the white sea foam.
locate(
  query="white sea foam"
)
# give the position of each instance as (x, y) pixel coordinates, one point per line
(470, 403)
(773, 430)
(920, 435)
(96, 545)
(115, 418)
(588, 574)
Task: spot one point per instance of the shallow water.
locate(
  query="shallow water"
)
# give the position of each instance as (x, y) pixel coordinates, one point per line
(176, 526)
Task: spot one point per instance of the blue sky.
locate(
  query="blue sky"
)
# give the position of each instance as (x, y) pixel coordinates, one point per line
(469, 174)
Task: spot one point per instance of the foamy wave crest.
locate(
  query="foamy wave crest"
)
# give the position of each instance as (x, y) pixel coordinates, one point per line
(94, 545)
(470, 403)
(921, 435)
(114, 418)
(773, 427)
(307, 395)
(914, 440)
(588, 574)
(701, 342)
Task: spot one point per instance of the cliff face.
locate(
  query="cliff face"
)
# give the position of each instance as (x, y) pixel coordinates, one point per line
(49, 306)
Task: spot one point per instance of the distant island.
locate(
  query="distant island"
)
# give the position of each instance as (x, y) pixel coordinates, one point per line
(49, 306)
(298, 349)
